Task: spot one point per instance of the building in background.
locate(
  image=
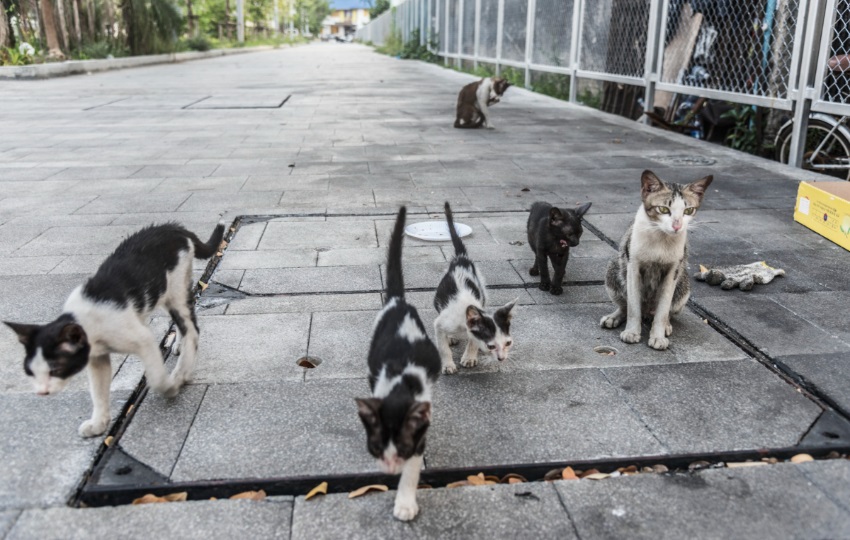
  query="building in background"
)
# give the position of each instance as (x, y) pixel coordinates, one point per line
(346, 17)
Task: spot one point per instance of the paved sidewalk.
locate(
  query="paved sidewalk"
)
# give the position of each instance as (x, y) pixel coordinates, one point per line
(311, 187)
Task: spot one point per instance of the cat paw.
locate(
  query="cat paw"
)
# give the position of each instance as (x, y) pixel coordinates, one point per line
(405, 509)
(627, 336)
(450, 369)
(489, 126)
(544, 286)
(469, 361)
(611, 321)
(668, 330)
(658, 343)
(176, 348)
(534, 271)
(94, 427)
(169, 389)
(556, 290)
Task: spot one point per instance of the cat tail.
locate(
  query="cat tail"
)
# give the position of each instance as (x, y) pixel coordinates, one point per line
(395, 280)
(460, 249)
(205, 251)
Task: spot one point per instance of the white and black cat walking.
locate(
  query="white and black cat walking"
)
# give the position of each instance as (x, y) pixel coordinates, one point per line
(460, 300)
(650, 276)
(403, 366)
(110, 313)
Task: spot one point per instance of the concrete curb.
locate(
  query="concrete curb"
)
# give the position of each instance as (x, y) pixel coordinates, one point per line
(76, 67)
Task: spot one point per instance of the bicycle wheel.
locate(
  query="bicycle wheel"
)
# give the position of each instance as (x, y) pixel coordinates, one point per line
(833, 159)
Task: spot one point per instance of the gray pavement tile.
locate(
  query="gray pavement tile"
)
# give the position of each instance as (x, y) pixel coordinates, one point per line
(119, 204)
(316, 235)
(428, 275)
(242, 348)
(583, 294)
(23, 266)
(820, 309)
(281, 258)
(285, 182)
(305, 280)
(96, 172)
(579, 269)
(701, 407)
(305, 303)
(394, 197)
(230, 278)
(552, 416)
(265, 430)
(234, 203)
(35, 298)
(495, 298)
(27, 174)
(247, 237)
(7, 520)
(159, 428)
(44, 460)
(175, 171)
(759, 502)
(376, 256)
(77, 241)
(832, 478)
(479, 235)
(124, 186)
(503, 511)
(830, 373)
(201, 520)
(218, 184)
(372, 181)
(772, 328)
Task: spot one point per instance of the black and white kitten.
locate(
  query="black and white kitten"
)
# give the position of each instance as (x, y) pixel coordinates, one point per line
(460, 301)
(551, 233)
(109, 314)
(650, 277)
(403, 365)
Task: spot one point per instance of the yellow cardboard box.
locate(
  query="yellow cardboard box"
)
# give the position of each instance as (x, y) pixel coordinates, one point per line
(824, 207)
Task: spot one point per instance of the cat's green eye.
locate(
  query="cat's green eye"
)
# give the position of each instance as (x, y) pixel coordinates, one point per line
(690, 211)
(662, 209)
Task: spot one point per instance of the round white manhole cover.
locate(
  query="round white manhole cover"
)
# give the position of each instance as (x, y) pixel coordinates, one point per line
(436, 231)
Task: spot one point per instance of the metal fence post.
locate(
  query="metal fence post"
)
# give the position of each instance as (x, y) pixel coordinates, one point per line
(500, 27)
(459, 32)
(575, 43)
(446, 35)
(476, 49)
(529, 40)
(809, 58)
(654, 52)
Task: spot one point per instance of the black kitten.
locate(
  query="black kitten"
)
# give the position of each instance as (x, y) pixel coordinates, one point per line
(403, 364)
(551, 233)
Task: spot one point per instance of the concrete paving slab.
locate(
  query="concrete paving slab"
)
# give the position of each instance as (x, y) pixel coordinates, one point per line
(552, 416)
(330, 234)
(761, 502)
(470, 512)
(7, 520)
(44, 460)
(279, 258)
(265, 430)
(832, 478)
(156, 435)
(201, 520)
(376, 256)
(66, 241)
(305, 303)
(479, 232)
(428, 275)
(229, 352)
(830, 373)
(701, 407)
(306, 280)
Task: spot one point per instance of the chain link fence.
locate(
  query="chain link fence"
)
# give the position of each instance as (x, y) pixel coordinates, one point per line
(782, 55)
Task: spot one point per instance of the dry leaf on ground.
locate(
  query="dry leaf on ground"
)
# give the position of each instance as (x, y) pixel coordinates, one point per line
(366, 489)
(203, 285)
(459, 483)
(108, 441)
(171, 497)
(802, 458)
(321, 489)
(587, 473)
(476, 480)
(250, 495)
(569, 474)
(554, 474)
(597, 476)
(513, 478)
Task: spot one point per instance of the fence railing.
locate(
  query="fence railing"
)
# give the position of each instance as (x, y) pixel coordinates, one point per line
(790, 55)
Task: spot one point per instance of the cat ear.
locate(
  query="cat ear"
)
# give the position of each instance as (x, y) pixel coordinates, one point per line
(506, 311)
(699, 187)
(369, 409)
(582, 210)
(555, 214)
(418, 416)
(473, 317)
(72, 338)
(649, 183)
(24, 331)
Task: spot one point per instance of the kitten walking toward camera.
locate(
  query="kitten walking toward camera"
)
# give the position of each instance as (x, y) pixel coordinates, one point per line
(474, 100)
(460, 301)
(403, 365)
(551, 233)
(109, 314)
(650, 275)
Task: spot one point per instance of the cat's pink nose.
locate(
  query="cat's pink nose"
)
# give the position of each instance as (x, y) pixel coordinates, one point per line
(677, 226)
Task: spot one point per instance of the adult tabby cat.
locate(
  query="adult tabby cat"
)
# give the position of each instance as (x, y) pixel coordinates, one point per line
(109, 314)
(650, 277)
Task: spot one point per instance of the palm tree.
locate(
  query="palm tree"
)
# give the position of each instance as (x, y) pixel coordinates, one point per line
(152, 25)
(54, 50)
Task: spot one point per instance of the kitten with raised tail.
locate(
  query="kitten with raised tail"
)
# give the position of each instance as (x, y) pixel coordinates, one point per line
(551, 233)
(403, 366)
(461, 300)
(150, 269)
(474, 100)
(650, 277)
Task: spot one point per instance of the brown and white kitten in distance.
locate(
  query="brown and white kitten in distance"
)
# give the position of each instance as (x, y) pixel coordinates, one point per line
(474, 100)
(650, 274)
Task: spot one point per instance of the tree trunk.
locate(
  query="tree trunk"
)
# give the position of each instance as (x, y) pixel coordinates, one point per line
(5, 33)
(53, 48)
(90, 19)
(77, 31)
(189, 22)
(63, 26)
(227, 17)
(110, 18)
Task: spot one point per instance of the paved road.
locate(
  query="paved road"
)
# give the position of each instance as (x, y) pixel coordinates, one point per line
(311, 187)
